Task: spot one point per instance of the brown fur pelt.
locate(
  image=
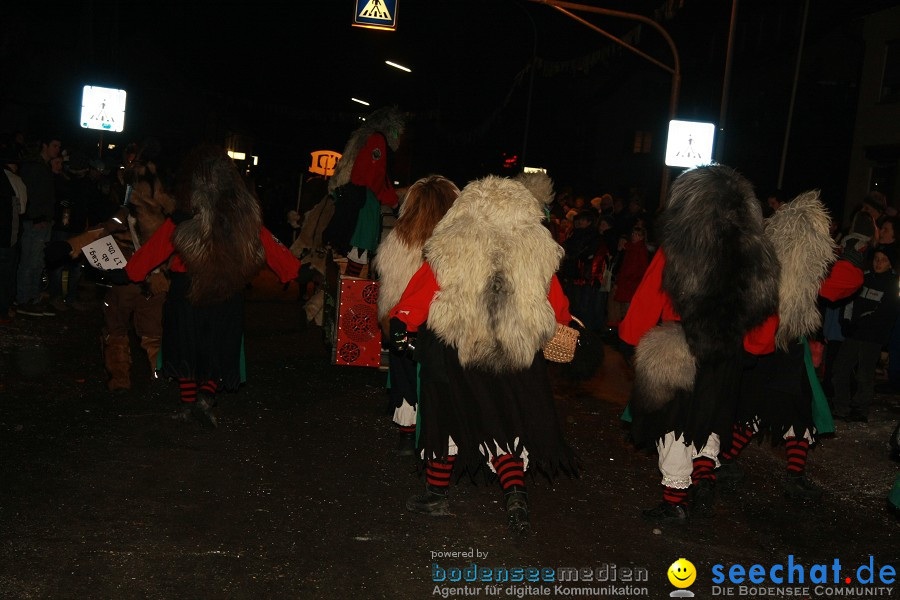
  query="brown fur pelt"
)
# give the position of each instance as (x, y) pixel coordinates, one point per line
(805, 249)
(146, 211)
(721, 270)
(663, 365)
(388, 121)
(493, 260)
(150, 204)
(220, 245)
(399, 255)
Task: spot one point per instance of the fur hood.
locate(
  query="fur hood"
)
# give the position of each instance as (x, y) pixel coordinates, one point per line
(220, 245)
(388, 121)
(721, 270)
(493, 260)
(799, 233)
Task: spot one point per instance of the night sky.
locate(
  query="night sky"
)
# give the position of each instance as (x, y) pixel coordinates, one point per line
(282, 74)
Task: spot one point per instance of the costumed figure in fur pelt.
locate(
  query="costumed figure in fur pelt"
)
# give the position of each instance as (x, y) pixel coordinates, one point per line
(780, 392)
(713, 279)
(134, 304)
(361, 185)
(483, 305)
(137, 303)
(215, 244)
(399, 256)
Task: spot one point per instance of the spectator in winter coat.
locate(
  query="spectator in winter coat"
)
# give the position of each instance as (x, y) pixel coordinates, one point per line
(874, 312)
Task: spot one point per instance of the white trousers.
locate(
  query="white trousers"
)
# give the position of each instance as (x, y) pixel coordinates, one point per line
(676, 459)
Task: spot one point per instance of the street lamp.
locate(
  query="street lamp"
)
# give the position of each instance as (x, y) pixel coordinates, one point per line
(396, 66)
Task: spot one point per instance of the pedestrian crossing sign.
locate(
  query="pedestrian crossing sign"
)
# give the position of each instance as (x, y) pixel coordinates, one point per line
(376, 14)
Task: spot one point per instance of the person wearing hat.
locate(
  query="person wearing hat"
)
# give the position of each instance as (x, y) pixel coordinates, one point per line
(875, 204)
(13, 199)
(874, 311)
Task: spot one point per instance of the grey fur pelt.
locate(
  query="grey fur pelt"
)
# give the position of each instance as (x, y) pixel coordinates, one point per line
(799, 234)
(663, 365)
(388, 121)
(539, 184)
(493, 260)
(395, 263)
(721, 270)
(220, 245)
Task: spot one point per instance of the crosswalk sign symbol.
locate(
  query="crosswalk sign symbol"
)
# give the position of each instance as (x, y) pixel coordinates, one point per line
(376, 14)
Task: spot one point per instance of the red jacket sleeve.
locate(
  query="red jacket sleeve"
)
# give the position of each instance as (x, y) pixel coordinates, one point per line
(278, 257)
(761, 339)
(559, 302)
(415, 302)
(842, 282)
(648, 305)
(152, 254)
(370, 170)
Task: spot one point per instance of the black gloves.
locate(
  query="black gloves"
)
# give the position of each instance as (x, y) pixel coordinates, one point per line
(306, 274)
(117, 276)
(401, 341)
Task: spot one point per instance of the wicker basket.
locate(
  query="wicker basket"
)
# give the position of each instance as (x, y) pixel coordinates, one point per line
(561, 347)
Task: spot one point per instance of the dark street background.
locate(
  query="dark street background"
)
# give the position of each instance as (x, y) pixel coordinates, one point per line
(297, 495)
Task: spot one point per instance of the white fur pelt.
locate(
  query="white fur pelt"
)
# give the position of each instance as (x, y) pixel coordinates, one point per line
(493, 260)
(663, 365)
(805, 249)
(395, 263)
(388, 121)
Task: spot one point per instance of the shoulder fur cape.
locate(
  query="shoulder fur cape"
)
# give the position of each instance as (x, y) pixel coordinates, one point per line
(721, 270)
(396, 263)
(493, 260)
(799, 233)
(220, 245)
(722, 276)
(388, 121)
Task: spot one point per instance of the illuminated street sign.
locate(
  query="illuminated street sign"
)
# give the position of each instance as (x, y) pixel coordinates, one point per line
(103, 108)
(376, 14)
(690, 143)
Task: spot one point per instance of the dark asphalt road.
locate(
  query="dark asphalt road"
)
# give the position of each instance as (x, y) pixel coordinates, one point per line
(296, 495)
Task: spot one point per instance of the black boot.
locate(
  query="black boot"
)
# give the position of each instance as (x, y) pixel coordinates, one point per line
(433, 502)
(517, 511)
(703, 496)
(729, 473)
(666, 512)
(798, 486)
(407, 444)
(202, 410)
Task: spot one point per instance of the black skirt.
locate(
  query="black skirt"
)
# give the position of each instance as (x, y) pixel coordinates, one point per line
(775, 389)
(709, 408)
(202, 342)
(481, 409)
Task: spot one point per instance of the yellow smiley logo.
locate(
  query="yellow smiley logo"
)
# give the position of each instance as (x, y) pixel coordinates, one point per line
(682, 573)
